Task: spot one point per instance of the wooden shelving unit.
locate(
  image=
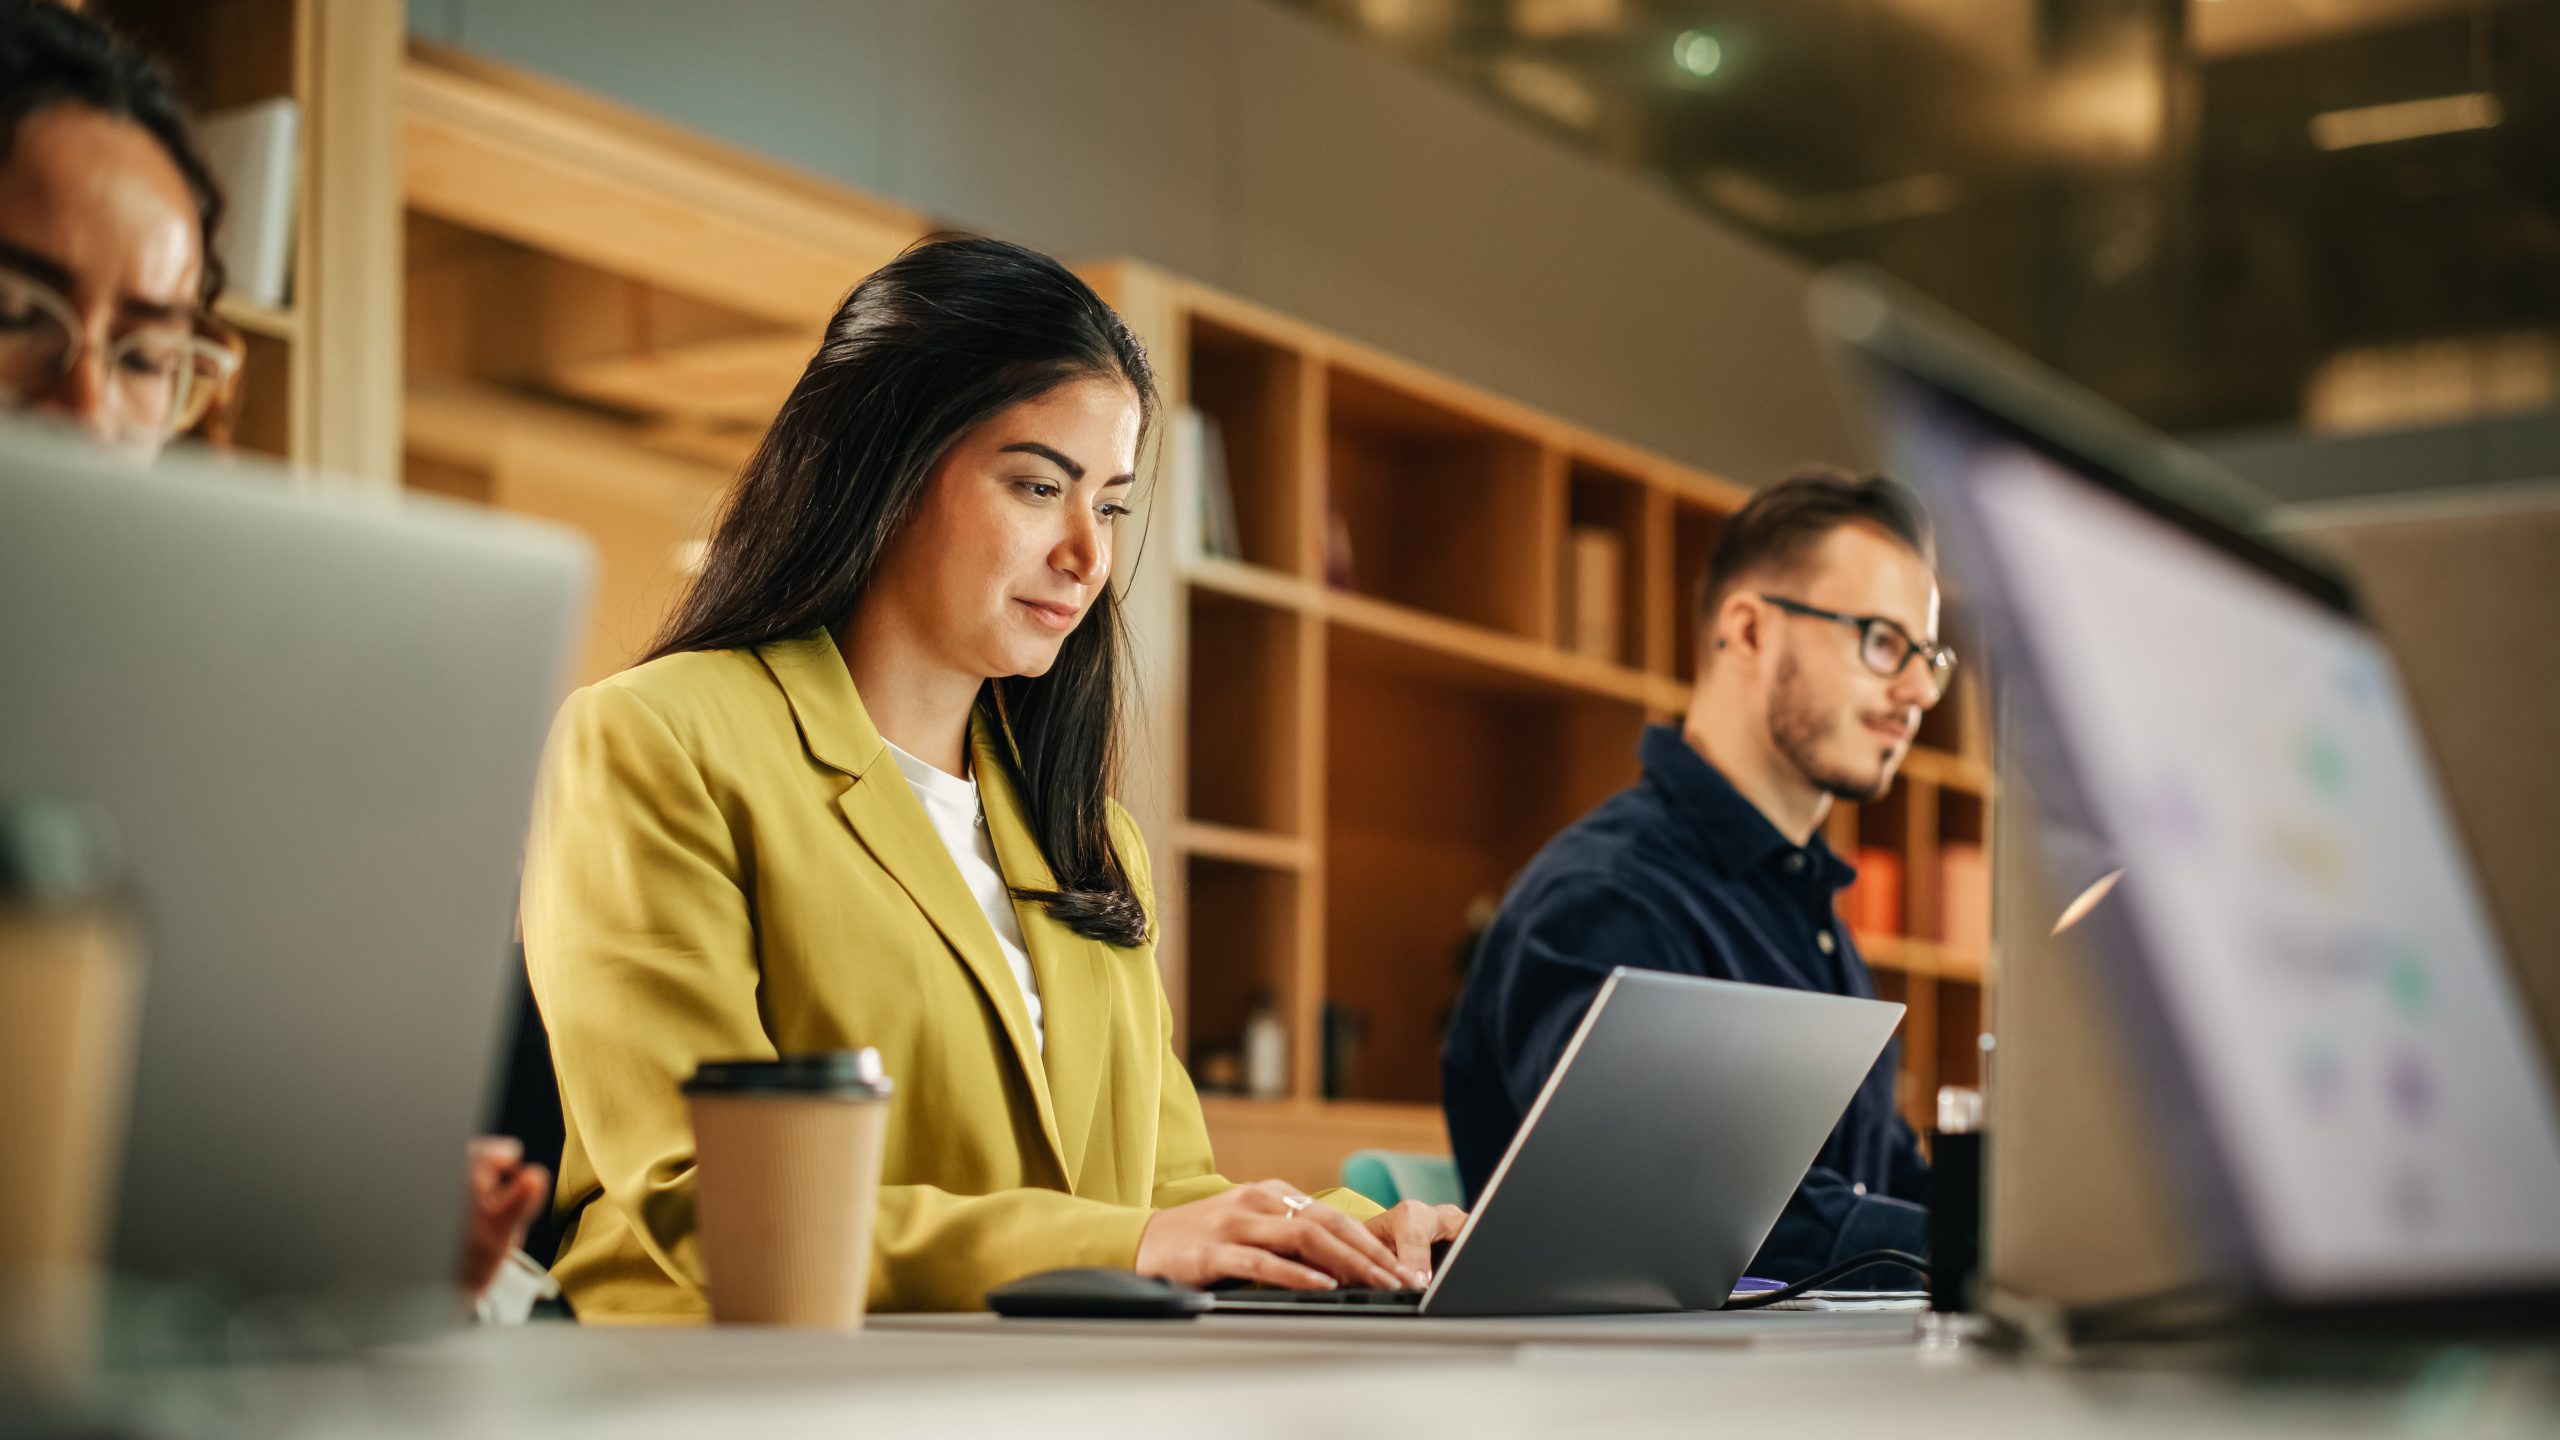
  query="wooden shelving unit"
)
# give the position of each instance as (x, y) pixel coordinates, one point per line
(321, 383)
(603, 312)
(1349, 756)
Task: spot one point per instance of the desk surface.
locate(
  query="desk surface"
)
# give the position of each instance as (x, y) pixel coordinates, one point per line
(1392, 1334)
(1256, 1376)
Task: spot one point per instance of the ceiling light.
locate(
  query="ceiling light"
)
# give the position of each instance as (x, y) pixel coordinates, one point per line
(1697, 52)
(2405, 120)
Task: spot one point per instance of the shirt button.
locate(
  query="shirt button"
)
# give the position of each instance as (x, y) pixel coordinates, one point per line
(1795, 863)
(1822, 938)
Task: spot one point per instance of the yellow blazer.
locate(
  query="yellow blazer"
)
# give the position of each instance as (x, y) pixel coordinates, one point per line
(727, 863)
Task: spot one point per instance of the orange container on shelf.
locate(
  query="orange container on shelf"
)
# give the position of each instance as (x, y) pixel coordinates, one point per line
(1873, 906)
(1964, 902)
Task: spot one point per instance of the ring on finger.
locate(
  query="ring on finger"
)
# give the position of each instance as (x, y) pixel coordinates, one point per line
(1297, 1204)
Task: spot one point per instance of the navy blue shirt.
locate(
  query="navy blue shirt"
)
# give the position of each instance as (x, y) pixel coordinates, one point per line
(1679, 872)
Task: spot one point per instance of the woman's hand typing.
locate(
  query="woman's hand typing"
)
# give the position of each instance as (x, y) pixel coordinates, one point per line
(1272, 1234)
(1413, 1228)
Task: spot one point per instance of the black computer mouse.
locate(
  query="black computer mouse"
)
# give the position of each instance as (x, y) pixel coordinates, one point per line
(1096, 1292)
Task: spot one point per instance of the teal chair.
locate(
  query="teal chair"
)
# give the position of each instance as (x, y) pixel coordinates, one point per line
(1393, 1176)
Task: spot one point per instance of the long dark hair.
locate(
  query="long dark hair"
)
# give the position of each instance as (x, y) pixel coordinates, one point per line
(52, 56)
(932, 345)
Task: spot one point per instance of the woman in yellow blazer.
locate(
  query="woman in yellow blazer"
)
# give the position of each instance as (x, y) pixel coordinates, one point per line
(732, 857)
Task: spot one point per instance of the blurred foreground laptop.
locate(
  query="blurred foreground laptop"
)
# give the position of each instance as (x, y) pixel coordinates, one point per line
(314, 723)
(2354, 1120)
(1666, 1141)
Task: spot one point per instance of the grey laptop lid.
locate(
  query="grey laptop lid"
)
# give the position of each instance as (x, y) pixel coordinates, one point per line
(314, 722)
(2298, 961)
(1681, 1117)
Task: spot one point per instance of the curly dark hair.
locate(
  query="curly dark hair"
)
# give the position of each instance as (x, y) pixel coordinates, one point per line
(52, 56)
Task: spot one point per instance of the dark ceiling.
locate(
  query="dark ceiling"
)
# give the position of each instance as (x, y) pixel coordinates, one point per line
(2195, 207)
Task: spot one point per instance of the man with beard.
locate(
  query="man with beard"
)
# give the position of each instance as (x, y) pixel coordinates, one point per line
(1818, 651)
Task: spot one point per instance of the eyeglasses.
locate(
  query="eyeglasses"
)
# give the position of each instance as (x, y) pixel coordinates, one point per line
(1884, 646)
(161, 378)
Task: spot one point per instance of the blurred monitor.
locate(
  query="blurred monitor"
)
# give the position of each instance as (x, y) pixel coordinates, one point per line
(2312, 994)
(2465, 584)
(313, 721)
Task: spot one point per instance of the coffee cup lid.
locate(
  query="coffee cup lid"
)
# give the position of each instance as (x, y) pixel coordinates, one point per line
(56, 853)
(846, 1074)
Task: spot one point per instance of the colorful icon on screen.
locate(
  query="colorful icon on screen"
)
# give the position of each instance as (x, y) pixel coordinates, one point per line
(2310, 852)
(2172, 812)
(2405, 976)
(2411, 1087)
(2359, 678)
(2324, 763)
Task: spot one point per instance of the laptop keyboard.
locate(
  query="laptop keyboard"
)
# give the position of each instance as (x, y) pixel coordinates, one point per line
(1346, 1297)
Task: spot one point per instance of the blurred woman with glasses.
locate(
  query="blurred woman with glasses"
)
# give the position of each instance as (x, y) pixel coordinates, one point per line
(106, 224)
(107, 284)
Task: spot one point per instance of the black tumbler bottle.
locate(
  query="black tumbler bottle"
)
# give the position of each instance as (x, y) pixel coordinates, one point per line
(1955, 1200)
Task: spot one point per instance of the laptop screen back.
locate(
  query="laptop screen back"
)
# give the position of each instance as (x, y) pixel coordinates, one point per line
(2297, 909)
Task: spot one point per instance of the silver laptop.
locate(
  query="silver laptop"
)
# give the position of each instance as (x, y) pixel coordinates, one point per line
(2353, 1107)
(314, 722)
(1681, 1117)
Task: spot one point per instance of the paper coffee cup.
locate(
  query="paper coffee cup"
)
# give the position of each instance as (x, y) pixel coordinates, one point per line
(786, 1181)
(70, 988)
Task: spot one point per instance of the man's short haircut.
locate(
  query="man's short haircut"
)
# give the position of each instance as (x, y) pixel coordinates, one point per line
(1777, 532)
(50, 56)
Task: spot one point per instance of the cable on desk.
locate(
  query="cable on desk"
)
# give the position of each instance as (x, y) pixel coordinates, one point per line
(1829, 1273)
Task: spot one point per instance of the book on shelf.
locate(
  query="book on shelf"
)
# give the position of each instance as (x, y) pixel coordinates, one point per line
(1205, 498)
(1595, 590)
(251, 151)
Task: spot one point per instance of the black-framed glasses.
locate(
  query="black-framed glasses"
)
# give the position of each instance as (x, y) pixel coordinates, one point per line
(160, 378)
(1883, 646)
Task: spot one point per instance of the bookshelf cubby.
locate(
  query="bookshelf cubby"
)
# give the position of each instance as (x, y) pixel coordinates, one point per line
(265, 415)
(1243, 751)
(1381, 711)
(1615, 506)
(1259, 395)
(1245, 927)
(1441, 515)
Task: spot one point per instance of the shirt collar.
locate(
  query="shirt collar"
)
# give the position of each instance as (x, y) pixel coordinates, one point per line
(1739, 838)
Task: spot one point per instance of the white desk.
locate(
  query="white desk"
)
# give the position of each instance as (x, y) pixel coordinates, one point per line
(1364, 1334)
(1254, 1376)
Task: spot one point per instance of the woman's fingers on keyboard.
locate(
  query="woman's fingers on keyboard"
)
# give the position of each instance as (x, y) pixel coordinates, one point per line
(1321, 1248)
(1411, 1228)
(1252, 1262)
